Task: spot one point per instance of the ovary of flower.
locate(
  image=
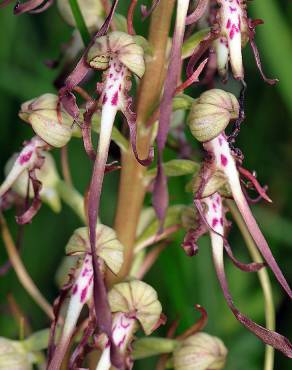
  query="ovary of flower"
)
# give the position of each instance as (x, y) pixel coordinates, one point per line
(232, 20)
(81, 293)
(122, 332)
(26, 160)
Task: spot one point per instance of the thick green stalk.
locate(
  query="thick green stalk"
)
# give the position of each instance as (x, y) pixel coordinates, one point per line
(132, 189)
(264, 280)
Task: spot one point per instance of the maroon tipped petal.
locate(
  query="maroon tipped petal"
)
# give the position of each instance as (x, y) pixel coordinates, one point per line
(246, 267)
(269, 337)
(27, 6)
(252, 26)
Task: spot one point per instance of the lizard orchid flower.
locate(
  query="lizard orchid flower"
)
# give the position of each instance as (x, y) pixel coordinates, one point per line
(119, 56)
(231, 30)
(28, 160)
(110, 251)
(131, 303)
(209, 116)
(235, 31)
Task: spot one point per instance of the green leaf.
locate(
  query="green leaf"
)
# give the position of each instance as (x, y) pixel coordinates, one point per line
(192, 42)
(173, 217)
(37, 341)
(80, 22)
(153, 346)
(176, 167)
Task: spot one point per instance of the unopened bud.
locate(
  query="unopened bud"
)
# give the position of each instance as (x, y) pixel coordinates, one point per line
(200, 351)
(54, 127)
(211, 113)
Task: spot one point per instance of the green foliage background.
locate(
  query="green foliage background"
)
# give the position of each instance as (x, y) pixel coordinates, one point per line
(265, 138)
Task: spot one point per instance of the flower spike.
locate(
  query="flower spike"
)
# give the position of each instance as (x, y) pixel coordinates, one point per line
(131, 303)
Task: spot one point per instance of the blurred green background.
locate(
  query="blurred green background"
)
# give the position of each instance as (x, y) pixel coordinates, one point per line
(266, 139)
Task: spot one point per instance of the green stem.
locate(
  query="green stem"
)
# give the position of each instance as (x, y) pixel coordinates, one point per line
(264, 281)
(72, 198)
(80, 23)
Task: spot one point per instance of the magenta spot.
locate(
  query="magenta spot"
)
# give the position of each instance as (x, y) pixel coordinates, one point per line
(122, 341)
(84, 273)
(228, 24)
(115, 98)
(75, 288)
(218, 200)
(120, 87)
(221, 221)
(231, 33)
(232, 9)
(111, 75)
(214, 207)
(25, 157)
(224, 160)
(83, 294)
(214, 222)
(104, 99)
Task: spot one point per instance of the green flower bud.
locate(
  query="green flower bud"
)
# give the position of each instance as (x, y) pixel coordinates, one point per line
(200, 351)
(211, 113)
(47, 175)
(42, 114)
(13, 355)
(108, 246)
(139, 300)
